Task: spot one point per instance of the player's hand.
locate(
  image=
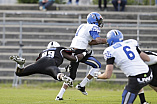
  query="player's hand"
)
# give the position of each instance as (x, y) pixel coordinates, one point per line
(96, 74)
(87, 53)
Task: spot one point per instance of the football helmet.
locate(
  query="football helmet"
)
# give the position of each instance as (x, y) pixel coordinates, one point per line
(95, 18)
(53, 44)
(114, 36)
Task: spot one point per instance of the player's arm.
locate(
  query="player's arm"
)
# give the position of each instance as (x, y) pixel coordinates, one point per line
(109, 68)
(94, 33)
(152, 56)
(108, 72)
(74, 58)
(143, 55)
(98, 40)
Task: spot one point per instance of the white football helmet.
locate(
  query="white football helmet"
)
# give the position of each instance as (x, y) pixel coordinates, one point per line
(53, 44)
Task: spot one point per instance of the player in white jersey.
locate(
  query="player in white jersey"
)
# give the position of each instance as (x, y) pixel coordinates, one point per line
(127, 56)
(86, 34)
(83, 35)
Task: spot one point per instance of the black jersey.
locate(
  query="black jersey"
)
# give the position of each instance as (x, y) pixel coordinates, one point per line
(154, 69)
(54, 53)
(150, 53)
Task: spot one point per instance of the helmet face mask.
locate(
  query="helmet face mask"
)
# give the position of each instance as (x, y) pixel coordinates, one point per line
(53, 44)
(114, 36)
(95, 18)
(100, 22)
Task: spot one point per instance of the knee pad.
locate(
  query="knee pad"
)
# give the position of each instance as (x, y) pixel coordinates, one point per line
(93, 70)
(128, 97)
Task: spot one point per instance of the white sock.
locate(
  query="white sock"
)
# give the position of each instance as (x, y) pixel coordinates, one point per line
(84, 82)
(61, 92)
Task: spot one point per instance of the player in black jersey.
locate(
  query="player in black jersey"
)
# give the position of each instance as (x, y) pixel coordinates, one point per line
(48, 62)
(153, 65)
(153, 84)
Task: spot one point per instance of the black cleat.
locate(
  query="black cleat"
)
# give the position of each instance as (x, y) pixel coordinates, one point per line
(82, 89)
(57, 98)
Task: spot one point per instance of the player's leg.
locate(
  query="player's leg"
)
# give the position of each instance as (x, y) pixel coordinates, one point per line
(67, 82)
(142, 96)
(54, 72)
(153, 83)
(41, 67)
(61, 92)
(30, 69)
(73, 69)
(131, 90)
(91, 61)
(134, 86)
(128, 97)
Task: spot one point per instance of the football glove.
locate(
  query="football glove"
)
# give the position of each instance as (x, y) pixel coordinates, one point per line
(87, 53)
(96, 74)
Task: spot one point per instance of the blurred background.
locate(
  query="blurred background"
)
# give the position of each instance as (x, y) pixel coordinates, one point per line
(25, 31)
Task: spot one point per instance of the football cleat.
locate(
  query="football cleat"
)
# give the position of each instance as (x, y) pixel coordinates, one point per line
(68, 80)
(57, 98)
(82, 89)
(17, 59)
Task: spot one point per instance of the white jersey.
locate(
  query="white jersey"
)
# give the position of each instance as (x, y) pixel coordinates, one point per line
(83, 36)
(126, 57)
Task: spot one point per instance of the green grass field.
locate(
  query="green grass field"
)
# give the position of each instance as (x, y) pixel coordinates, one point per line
(35, 94)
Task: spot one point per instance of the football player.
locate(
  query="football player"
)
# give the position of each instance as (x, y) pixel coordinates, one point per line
(153, 65)
(86, 34)
(153, 84)
(127, 56)
(48, 62)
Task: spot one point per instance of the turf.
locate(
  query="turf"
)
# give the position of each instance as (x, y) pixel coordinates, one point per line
(40, 95)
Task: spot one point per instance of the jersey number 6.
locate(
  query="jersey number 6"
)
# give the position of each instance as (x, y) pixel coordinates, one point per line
(129, 53)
